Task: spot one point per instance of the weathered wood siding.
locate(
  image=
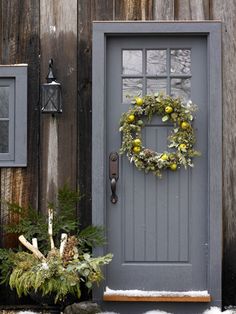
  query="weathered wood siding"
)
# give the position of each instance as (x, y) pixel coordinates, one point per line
(226, 12)
(19, 39)
(58, 140)
(59, 148)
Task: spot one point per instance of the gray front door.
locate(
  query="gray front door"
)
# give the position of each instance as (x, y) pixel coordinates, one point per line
(163, 232)
(158, 228)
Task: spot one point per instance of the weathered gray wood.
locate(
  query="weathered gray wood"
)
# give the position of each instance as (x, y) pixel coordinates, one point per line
(191, 9)
(226, 12)
(58, 35)
(133, 10)
(19, 40)
(87, 12)
(163, 9)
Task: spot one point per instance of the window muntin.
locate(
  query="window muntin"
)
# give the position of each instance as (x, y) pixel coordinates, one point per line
(150, 71)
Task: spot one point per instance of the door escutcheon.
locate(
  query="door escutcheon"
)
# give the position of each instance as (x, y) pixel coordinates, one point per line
(113, 175)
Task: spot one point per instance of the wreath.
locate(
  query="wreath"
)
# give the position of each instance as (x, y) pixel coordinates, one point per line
(181, 139)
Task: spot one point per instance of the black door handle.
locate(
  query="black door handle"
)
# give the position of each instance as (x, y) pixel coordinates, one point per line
(114, 175)
(114, 197)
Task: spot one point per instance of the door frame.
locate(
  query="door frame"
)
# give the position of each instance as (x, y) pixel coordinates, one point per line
(212, 31)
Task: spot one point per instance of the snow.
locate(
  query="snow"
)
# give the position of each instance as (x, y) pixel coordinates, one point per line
(216, 310)
(212, 310)
(156, 312)
(27, 312)
(142, 293)
(109, 313)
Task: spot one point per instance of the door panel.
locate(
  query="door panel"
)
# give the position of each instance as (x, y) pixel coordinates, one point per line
(157, 230)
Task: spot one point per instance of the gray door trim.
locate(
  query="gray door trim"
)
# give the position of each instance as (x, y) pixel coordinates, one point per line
(212, 30)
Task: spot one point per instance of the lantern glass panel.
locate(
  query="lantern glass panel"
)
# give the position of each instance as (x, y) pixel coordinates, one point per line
(51, 98)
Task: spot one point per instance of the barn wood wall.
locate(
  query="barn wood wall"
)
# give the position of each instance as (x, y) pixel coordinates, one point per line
(19, 37)
(30, 29)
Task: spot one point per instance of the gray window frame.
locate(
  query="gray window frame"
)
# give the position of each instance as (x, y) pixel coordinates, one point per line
(212, 31)
(16, 75)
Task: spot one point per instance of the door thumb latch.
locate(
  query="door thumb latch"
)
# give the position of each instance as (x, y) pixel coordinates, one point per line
(113, 175)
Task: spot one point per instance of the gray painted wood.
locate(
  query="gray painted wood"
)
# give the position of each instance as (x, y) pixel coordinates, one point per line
(212, 208)
(17, 156)
(141, 202)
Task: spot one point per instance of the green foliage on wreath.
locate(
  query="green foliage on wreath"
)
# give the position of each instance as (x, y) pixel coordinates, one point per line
(181, 138)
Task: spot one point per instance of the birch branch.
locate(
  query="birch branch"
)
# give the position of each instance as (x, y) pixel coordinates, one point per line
(63, 243)
(30, 247)
(50, 222)
(35, 243)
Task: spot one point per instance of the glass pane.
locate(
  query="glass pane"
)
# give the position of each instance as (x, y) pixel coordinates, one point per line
(132, 62)
(131, 88)
(4, 101)
(156, 62)
(51, 98)
(181, 87)
(181, 61)
(156, 86)
(4, 135)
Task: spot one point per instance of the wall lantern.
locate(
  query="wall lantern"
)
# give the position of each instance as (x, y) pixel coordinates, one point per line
(51, 93)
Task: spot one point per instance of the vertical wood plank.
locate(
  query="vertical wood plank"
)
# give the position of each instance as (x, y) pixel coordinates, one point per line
(58, 35)
(191, 9)
(133, 9)
(163, 9)
(87, 12)
(226, 12)
(20, 44)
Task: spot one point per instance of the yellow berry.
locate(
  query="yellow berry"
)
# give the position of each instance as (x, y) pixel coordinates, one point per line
(182, 146)
(131, 118)
(137, 149)
(164, 157)
(137, 142)
(168, 109)
(139, 101)
(185, 125)
(173, 167)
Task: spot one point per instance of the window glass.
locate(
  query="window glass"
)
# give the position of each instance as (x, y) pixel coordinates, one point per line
(132, 62)
(131, 87)
(156, 86)
(4, 102)
(180, 61)
(4, 131)
(156, 62)
(181, 87)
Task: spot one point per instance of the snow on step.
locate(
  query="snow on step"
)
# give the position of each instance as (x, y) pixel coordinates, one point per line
(143, 293)
(216, 310)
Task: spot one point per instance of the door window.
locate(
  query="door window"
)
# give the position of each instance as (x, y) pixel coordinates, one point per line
(150, 71)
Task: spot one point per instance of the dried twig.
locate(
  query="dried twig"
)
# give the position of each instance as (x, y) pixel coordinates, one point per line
(30, 247)
(63, 243)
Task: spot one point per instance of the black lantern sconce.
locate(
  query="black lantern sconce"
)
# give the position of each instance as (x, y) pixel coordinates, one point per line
(51, 101)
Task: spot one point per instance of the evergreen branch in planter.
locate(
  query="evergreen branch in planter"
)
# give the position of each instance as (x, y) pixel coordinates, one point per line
(59, 260)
